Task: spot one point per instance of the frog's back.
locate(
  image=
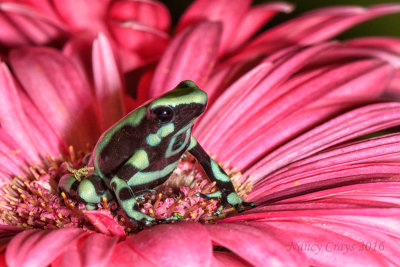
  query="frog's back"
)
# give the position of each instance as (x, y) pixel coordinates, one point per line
(118, 142)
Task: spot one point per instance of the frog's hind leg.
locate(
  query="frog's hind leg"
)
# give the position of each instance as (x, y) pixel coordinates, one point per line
(90, 190)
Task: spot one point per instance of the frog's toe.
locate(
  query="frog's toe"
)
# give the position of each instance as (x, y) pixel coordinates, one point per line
(249, 204)
(218, 211)
(91, 206)
(167, 220)
(201, 195)
(216, 195)
(149, 223)
(140, 196)
(139, 225)
(241, 207)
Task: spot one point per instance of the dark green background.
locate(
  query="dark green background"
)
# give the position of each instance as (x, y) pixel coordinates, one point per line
(384, 26)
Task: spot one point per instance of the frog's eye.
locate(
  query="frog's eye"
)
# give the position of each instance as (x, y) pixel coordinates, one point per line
(164, 114)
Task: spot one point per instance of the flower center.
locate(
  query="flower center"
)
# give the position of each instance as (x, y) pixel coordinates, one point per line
(34, 201)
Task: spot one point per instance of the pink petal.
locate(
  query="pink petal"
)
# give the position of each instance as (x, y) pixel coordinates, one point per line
(124, 255)
(108, 84)
(339, 24)
(13, 118)
(314, 27)
(347, 53)
(95, 250)
(229, 13)
(227, 72)
(7, 232)
(105, 223)
(139, 38)
(288, 101)
(329, 177)
(353, 227)
(367, 195)
(40, 248)
(302, 227)
(228, 259)
(382, 43)
(79, 50)
(285, 64)
(101, 249)
(386, 219)
(150, 13)
(362, 88)
(379, 149)
(12, 158)
(345, 127)
(177, 62)
(50, 143)
(254, 19)
(59, 91)
(131, 60)
(393, 90)
(182, 244)
(234, 106)
(346, 164)
(344, 246)
(216, 86)
(258, 248)
(44, 6)
(22, 25)
(3, 259)
(83, 14)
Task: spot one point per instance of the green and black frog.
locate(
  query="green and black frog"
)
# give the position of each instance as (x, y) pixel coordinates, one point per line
(140, 151)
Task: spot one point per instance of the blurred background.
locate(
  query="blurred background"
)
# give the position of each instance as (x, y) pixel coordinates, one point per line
(387, 26)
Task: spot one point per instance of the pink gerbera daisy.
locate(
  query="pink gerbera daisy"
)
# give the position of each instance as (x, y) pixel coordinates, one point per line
(305, 128)
(137, 29)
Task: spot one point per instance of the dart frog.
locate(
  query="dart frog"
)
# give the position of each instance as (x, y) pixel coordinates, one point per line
(140, 151)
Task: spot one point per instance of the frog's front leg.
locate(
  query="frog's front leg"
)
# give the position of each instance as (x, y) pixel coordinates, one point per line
(128, 199)
(90, 190)
(226, 192)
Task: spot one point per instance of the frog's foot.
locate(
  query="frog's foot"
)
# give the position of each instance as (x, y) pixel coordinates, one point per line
(219, 210)
(241, 207)
(167, 220)
(90, 190)
(128, 201)
(140, 220)
(140, 225)
(249, 204)
(147, 221)
(216, 195)
(91, 206)
(68, 184)
(232, 199)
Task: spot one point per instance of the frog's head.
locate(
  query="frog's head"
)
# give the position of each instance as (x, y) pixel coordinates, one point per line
(181, 106)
